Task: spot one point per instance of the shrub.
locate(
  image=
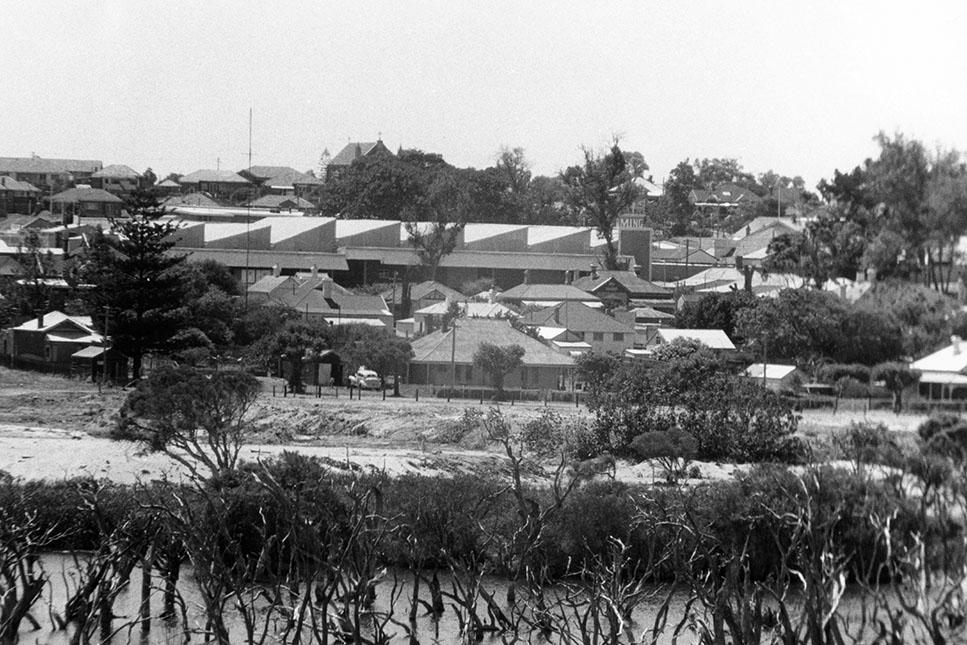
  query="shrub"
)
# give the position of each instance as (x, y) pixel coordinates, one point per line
(833, 372)
(673, 449)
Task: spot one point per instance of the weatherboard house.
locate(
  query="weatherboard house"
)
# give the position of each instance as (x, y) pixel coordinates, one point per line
(442, 360)
(943, 374)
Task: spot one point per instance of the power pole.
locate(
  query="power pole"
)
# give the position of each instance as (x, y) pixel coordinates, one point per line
(453, 354)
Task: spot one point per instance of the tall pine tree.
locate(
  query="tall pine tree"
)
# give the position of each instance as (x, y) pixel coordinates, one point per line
(135, 279)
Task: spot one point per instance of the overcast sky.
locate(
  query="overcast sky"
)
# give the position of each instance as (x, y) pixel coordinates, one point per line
(797, 87)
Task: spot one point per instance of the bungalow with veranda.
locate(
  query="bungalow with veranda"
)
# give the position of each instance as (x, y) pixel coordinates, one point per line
(943, 374)
(445, 358)
(49, 341)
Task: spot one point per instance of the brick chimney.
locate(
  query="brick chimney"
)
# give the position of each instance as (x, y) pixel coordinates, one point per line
(276, 270)
(314, 271)
(40, 320)
(955, 341)
(527, 276)
(326, 285)
(594, 271)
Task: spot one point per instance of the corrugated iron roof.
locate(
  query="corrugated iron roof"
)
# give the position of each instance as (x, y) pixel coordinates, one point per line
(437, 346)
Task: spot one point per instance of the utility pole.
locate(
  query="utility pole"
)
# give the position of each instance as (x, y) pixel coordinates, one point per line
(453, 354)
(107, 322)
(248, 213)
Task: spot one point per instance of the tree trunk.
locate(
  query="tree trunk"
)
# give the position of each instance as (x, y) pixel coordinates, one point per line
(136, 365)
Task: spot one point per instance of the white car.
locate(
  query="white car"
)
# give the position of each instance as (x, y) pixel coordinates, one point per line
(365, 379)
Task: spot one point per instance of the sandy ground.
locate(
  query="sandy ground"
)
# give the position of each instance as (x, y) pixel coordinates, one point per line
(52, 428)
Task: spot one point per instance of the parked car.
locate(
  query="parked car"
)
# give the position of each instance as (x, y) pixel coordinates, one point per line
(365, 379)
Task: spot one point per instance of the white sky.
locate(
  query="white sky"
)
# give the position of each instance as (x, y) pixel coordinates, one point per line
(798, 87)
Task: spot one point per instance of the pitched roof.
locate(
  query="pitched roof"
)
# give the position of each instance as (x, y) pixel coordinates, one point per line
(191, 199)
(75, 195)
(214, 176)
(952, 358)
(712, 338)
(168, 183)
(651, 312)
(770, 370)
(54, 318)
(352, 151)
(117, 171)
(469, 310)
(578, 317)
(547, 292)
(628, 279)
(423, 289)
(436, 347)
(48, 166)
(8, 184)
(281, 201)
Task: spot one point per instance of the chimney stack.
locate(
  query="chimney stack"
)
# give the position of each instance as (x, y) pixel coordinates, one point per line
(955, 341)
(739, 262)
(276, 270)
(40, 320)
(567, 277)
(314, 271)
(327, 287)
(748, 278)
(527, 276)
(594, 271)
(492, 295)
(636, 268)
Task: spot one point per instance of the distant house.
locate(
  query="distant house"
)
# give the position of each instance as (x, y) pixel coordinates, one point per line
(726, 195)
(353, 151)
(49, 341)
(86, 202)
(422, 295)
(546, 295)
(317, 298)
(582, 324)
(625, 288)
(280, 203)
(49, 174)
(17, 196)
(435, 354)
(191, 199)
(116, 178)
(943, 374)
(431, 318)
(774, 376)
(281, 180)
(714, 339)
(167, 187)
(219, 184)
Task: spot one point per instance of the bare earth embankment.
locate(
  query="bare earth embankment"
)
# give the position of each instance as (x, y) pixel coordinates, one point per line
(52, 427)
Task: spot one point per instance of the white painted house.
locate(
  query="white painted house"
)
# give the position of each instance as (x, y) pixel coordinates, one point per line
(943, 374)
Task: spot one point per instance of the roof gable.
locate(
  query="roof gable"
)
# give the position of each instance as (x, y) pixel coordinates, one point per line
(437, 347)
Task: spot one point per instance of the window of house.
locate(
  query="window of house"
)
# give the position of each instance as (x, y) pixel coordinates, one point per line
(599, 335)
(619, 337)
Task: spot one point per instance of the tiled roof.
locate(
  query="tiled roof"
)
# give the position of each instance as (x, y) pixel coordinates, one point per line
(47, 166)
(117, 171)
(169, 183)
(469, 310)
(436, 347)
(8, 184)
(191, 199)
(75, 195)
(214, 176)
(421, 290)
(559, 292)
(281, 201)
(576, 316)
(352, 151)
(628, 279)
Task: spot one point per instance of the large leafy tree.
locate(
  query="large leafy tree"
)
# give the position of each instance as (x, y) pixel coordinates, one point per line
(297, 342)
(434, 223)
(135, 279)
(715, 311)
(197, 418)
(497, 362)
(601, 189)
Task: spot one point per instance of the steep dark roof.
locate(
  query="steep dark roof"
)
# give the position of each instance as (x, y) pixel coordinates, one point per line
(421, 290)
(436, 347)
(577, 316)
(353, 151)
(635, 285)
(14, 185)
(281, 176)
